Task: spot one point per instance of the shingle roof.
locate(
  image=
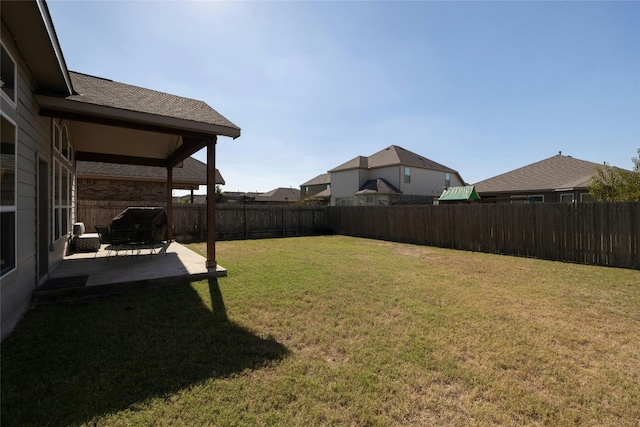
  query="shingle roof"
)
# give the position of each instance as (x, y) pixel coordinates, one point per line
(550, 174)
(324, 194)
(377, 186)
(279, 195)
(107, 93)
(390, 156)
(324, 178)
(359, 162)
(192, 171)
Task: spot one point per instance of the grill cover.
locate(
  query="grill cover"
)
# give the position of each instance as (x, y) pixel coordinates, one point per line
(150, 222)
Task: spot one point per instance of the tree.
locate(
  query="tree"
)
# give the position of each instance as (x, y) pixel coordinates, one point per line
(219, 194)
(610, 184)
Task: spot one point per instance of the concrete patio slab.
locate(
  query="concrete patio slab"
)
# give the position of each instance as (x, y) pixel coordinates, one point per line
(108, 272)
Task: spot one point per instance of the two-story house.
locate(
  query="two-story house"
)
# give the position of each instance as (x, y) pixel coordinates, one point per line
(317, 189)
(390, 176)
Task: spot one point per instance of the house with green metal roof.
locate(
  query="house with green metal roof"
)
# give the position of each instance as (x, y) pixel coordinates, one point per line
(463, 194)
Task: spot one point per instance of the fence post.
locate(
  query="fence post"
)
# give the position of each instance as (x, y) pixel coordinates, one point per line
(244, 209)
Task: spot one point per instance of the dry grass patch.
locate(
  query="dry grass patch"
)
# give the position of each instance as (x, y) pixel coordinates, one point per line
(347, 331)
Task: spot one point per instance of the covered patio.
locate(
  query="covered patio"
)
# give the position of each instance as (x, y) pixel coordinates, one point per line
(93, 274)
(112, 122)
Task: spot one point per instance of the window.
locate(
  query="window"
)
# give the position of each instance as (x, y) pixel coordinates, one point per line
(527, 199)
(407, 175)
(8, 76)
(62, 182)
(447, 180)
(66, 145)
(8, 200)
(566, 198)
(344, 201)
(586, 197)
(57, 139)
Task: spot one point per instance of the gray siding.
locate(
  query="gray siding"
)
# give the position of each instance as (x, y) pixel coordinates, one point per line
(392, 174)
(34, 139)
(344, 184)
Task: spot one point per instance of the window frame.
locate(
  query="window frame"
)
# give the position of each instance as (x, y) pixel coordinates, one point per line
(407, 175)
(14, 207)
(563, 195)
(447, 179)
(62, 183)
(12, 102)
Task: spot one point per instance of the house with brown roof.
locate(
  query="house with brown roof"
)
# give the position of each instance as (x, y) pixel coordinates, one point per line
(146, 185)
(317, 189)
(50, 119)
(556, 179)
(393, 175)
(278, 196)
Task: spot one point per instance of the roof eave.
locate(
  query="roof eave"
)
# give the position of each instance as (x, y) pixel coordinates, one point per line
(33, 32)
(81, 111)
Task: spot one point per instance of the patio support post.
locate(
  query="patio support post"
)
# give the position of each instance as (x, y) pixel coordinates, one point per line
(169, 203)
(211, 203)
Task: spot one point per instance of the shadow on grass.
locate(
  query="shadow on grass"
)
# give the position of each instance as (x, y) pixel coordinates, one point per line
(69, 364)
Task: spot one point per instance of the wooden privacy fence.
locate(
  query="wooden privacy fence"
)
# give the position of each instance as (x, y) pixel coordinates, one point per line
(593, 233)
(233, 221)
(605, 234)
(237, 221)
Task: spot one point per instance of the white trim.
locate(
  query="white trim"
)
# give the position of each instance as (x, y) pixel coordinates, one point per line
(13, 103)
(13, 208)
(407, 176)
(56, 131)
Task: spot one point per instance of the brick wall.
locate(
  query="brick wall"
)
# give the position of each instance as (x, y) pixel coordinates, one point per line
(104, 189)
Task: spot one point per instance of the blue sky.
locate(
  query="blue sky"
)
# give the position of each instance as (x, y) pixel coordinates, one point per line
(481, 87)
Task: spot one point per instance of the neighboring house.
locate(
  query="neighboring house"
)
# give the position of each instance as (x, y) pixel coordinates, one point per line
(144, 184)
(317, 189)
(51, 118)
(197, 199)
(279, 196)
(556, 179)
(390, 176)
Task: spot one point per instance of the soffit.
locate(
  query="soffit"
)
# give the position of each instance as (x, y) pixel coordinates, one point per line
(33, 32)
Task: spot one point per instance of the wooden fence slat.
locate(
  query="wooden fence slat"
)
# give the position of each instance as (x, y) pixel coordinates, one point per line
(592, 233)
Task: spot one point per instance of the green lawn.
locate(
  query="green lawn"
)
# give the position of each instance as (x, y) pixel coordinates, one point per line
(339, 331)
